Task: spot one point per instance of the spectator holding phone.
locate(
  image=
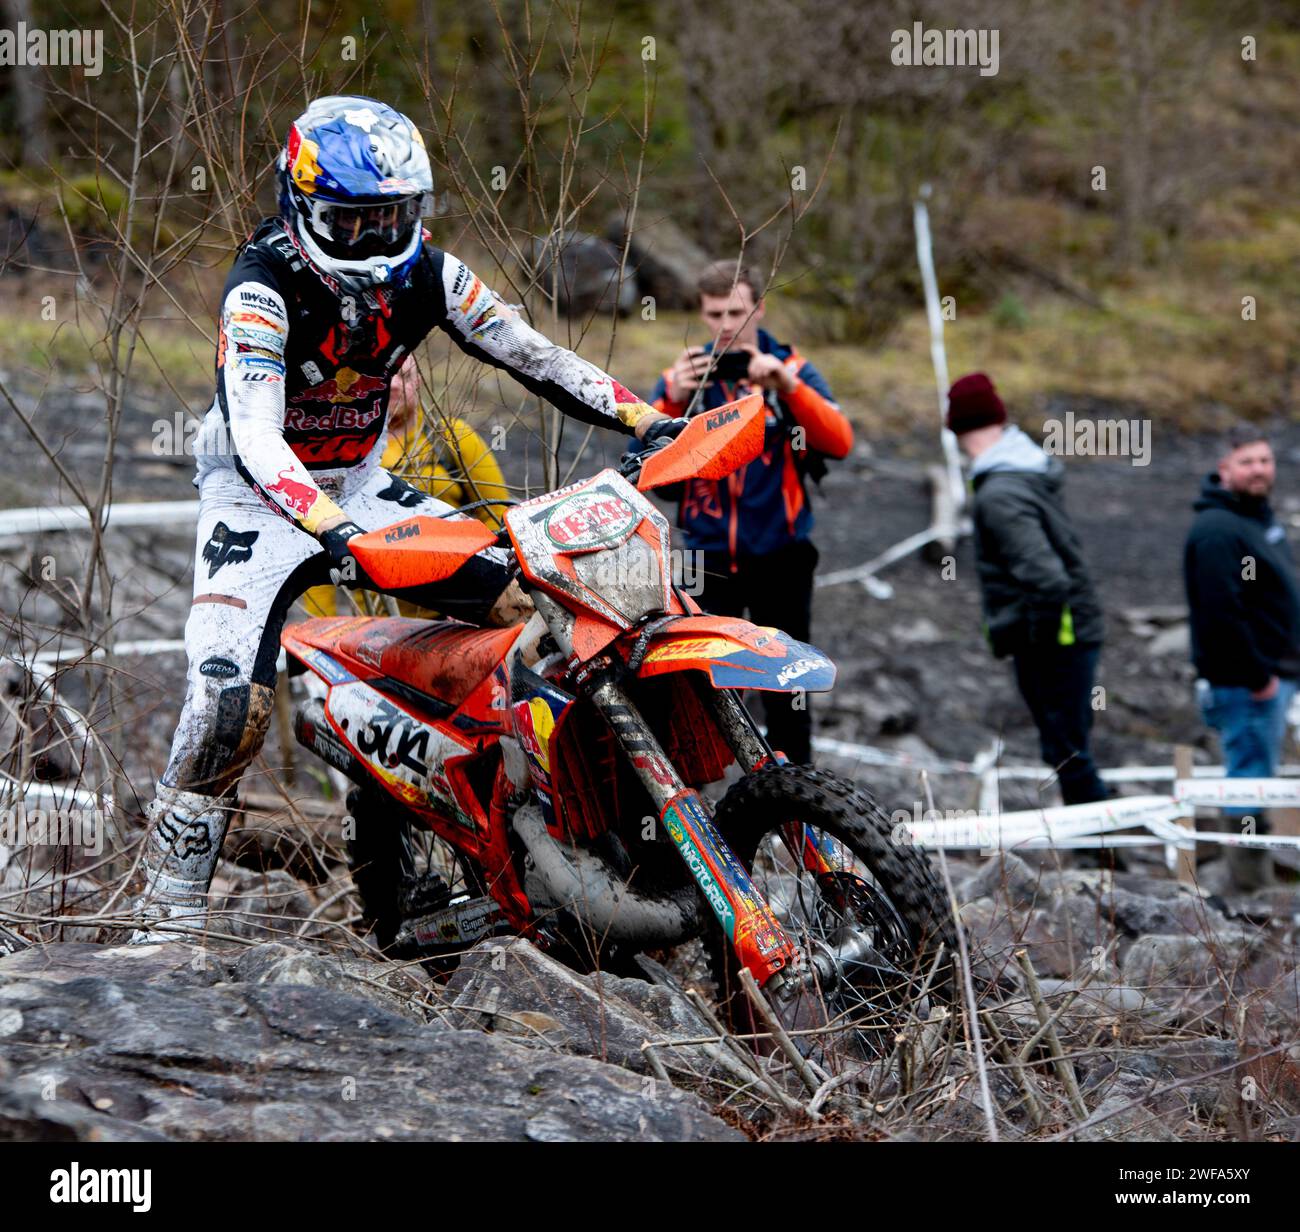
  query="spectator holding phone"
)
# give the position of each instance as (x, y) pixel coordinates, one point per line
(754, 528)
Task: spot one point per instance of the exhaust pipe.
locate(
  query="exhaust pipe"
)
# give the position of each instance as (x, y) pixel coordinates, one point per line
(564, 876)
(314, 732)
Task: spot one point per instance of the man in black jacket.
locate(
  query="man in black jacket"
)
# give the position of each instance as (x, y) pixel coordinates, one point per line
(1039, 604)
(1245, 617)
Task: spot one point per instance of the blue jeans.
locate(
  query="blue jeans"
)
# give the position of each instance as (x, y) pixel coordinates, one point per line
(1250, 732)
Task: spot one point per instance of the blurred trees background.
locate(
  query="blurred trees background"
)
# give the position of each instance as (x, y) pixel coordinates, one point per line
(1115, 212)
(544, 118)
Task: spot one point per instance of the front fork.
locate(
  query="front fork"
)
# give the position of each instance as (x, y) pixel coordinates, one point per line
(814, 849)
(760, 942)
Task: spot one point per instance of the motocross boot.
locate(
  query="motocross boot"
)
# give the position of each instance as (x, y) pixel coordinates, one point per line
(186, 831)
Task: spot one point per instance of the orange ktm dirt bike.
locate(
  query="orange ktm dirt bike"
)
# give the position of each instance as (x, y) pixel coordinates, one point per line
(562, 761)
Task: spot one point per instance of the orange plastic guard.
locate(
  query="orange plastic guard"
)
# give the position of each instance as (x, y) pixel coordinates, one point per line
(711, 446)
(419, 550)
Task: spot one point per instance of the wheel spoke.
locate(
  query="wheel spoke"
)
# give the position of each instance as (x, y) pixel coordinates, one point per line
(825, 913)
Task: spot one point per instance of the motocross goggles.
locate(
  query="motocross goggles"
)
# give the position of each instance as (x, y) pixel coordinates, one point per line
(356, 232)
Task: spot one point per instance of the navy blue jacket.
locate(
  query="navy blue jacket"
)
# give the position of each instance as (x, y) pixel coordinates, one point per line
(765, 506)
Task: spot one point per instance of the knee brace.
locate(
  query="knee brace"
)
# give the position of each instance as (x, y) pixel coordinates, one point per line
(222, 736)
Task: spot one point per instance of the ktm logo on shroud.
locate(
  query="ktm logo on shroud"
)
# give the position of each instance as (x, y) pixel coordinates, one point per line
(721, 419)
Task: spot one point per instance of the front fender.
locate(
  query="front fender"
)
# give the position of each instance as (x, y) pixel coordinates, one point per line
(738, 655)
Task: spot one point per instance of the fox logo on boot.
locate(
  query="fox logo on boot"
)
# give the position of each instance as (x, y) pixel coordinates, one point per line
(183, 839)
(226, 546)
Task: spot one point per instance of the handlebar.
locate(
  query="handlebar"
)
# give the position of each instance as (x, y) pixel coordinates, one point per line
(630, 464)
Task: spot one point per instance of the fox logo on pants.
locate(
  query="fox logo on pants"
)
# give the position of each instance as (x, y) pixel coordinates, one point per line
(226, 546)
(184, 838)
(401, 493)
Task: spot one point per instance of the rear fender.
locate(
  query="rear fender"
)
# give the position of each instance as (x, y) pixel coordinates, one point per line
(738, 655)
(324, 665)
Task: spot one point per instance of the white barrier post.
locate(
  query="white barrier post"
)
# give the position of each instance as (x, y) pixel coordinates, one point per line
(950, 508)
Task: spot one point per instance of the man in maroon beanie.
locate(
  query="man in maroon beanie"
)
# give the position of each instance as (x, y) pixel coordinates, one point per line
(1039, 604)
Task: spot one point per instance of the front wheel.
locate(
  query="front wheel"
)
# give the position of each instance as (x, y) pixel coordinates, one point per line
(869, 923)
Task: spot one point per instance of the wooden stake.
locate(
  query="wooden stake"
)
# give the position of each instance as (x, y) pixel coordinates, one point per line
(1186, 865)
(284, 724)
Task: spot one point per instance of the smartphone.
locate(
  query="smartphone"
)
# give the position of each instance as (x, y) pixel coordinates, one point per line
(732, 366)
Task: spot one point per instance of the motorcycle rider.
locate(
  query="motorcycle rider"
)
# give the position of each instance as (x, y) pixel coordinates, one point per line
(324, 303)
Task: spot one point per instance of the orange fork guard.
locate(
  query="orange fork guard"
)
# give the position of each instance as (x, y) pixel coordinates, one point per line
(711, 446)
(419, 550)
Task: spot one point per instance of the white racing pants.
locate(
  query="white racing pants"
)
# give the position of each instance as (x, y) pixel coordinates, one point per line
(250, 564)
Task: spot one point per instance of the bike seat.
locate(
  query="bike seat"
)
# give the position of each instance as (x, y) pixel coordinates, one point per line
(440, 659)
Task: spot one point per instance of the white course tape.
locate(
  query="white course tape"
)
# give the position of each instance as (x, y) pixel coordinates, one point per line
(1238, 793)
(884, 757)
(905, 547)
(872, 755)
(153, 646)
(1082, 825)
(1180, 836)
(57, 795)
(1067, 821)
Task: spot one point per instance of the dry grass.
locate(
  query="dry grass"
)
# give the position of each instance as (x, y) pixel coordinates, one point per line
(1171, 344)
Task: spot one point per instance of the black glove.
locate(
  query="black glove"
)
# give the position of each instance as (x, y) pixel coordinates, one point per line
(663, 432)
(344, 569)
(660, 433)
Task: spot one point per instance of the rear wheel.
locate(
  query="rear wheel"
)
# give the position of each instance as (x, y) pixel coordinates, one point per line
(868, 930)
(402, 872)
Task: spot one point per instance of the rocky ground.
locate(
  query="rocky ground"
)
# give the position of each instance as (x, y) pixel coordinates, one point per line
(1173, 1010)
(1169, 1014)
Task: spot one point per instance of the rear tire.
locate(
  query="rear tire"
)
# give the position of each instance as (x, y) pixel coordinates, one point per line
(381, 858)
(901, 907)
(394, 871)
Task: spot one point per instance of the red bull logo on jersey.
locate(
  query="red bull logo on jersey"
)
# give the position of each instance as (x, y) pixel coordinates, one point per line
(622, 393)
(299, 497)
(345, 386)
(336, 418)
